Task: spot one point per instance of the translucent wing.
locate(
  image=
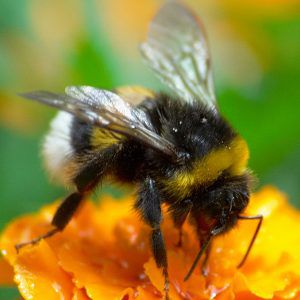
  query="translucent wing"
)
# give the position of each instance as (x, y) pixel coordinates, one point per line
(135, 94)
(176, 49)
(106, 110)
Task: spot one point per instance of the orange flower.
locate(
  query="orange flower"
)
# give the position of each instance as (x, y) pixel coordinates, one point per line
(104, 254)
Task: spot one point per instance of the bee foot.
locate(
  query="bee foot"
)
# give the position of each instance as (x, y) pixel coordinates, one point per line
(36, 240)
(204, 271)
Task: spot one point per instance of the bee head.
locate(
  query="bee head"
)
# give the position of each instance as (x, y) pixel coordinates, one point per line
(221, 203)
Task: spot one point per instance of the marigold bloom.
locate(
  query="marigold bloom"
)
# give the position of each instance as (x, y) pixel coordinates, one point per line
(104, 254)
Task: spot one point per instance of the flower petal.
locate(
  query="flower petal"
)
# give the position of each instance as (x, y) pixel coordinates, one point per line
(39, 276)
(104, 253)
(6, 273)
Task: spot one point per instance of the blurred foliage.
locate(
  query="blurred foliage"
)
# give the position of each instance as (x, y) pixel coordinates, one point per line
(9, 293)
(51, 44)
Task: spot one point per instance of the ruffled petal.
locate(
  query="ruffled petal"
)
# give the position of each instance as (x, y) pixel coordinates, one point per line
(104, 253)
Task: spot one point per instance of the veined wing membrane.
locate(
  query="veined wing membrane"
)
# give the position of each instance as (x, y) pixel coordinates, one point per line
(176, 49)
(107, 110)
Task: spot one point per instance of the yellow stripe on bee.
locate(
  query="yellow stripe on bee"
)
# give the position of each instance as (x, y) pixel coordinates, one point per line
(232, 158)
(101, 138)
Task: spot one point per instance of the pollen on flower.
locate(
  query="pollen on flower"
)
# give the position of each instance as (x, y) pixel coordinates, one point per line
(104, 254)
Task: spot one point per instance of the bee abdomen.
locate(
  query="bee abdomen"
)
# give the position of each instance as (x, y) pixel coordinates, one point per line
(71, 144)
(57, 147)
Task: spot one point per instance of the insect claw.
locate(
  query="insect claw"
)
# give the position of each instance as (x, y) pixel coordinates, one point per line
(36, 240)
(167, 284)
(204, 271)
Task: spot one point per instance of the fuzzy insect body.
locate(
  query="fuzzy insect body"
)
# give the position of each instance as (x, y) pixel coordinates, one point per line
(177, 149)
(213, 152)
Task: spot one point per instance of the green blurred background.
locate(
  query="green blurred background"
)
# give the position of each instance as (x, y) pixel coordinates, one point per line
(46, 44)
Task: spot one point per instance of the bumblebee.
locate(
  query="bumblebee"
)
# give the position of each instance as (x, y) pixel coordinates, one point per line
(178, 149)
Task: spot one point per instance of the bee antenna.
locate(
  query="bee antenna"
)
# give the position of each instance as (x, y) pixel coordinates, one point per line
(260, 218)
(199, 255)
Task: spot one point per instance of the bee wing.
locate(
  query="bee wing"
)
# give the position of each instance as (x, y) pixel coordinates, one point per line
(135, 95)
(107, 110)
(176, 49)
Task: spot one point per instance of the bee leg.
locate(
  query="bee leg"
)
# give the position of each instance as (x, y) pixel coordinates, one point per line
(85, 180)
(148, 204)
(204, 268)
(179, 212)
(61, 218)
